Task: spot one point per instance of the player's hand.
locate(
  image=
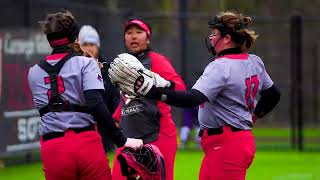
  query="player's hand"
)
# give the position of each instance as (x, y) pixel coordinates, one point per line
(158, 81)
(134, 143)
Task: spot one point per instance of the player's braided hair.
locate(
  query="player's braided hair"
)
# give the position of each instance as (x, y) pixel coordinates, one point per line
(239, 25)
(57, 22)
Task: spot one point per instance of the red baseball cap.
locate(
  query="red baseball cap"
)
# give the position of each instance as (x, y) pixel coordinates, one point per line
(138, 22)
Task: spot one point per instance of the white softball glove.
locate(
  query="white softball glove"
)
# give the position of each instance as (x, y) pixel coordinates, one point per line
(127, 72)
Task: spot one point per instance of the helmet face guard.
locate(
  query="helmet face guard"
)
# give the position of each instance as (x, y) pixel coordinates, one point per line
(217, 23)
(210, 47)
(146, 163)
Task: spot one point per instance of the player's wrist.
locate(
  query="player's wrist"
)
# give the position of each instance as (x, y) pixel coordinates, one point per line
(154, 93)
(120, 140)
(172, 85)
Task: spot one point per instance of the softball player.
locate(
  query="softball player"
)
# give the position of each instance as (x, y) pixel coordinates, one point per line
(66, 88)
(144, 118)
(226, 95)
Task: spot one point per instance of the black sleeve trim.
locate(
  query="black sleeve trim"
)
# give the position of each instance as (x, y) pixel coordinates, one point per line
(268, 100)
(191, 98)
(102, 115)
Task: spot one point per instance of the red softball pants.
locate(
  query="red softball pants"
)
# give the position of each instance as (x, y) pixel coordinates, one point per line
(227, 156)
(75, 156)
(168, 147)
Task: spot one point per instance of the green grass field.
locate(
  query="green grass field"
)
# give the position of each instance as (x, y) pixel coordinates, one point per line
(273, 161)
(266, 166)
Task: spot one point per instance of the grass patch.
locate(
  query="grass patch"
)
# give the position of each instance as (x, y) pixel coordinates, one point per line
(284, 132)
(268, 165)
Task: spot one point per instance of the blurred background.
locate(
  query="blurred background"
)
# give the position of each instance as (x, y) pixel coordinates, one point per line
(288, 44)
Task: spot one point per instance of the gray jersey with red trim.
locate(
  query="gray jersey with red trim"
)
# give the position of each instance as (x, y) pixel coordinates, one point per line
(78, 74)
(231, 83)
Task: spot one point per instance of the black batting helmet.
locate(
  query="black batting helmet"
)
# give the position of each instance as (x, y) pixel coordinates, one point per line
(218, 23)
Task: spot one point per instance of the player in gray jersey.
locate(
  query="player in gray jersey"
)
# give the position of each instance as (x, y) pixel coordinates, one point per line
(67, 89)
(226, 94)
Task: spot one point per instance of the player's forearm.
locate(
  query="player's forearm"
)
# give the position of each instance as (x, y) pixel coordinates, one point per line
(191, 98)
(178, 83)
(102, 115)
(268, 100)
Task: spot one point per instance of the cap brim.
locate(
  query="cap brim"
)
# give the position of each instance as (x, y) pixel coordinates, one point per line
(140, 24)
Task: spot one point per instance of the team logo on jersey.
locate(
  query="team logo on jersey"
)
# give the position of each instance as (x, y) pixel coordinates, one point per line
(131, 110)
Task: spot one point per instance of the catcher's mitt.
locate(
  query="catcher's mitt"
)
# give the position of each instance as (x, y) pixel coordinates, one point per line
(127, 72)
